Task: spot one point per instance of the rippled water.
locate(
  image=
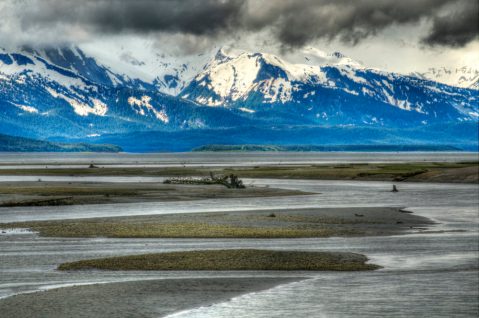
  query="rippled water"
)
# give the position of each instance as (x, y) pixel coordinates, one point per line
(424, 275)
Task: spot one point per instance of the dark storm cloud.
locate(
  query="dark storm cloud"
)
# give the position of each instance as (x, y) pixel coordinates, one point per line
(115, 16)
(298, 22)
(458, 28)
(293, 22)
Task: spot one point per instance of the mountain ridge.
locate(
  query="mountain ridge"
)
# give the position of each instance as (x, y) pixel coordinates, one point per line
(64, 93)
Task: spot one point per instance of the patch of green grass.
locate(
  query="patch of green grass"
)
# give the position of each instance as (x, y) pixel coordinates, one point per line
(173, 230)
(243, 259)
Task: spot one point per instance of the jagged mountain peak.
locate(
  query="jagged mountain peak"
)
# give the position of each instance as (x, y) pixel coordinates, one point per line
(232, 75)
(252, 82)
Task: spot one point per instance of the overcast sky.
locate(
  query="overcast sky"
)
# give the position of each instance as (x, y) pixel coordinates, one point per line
(398, 35)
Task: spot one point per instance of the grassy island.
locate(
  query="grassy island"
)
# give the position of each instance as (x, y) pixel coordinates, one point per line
(241, 259)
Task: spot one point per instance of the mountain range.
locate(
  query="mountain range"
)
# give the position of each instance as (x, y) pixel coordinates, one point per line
(157, 101)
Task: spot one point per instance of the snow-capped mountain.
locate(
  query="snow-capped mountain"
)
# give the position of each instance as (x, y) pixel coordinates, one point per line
(326, 89)
(465, 77)
(73, 92)
(75, 96)
(143, 61)
(233, 75)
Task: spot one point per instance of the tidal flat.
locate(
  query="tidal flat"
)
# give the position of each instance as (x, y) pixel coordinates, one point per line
(415, 235)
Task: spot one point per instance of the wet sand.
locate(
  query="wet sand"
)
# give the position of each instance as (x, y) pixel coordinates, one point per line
(151, 298)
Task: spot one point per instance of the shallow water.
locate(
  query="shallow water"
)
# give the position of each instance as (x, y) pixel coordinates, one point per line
(330, 194)
(433, 274)
(357, 295)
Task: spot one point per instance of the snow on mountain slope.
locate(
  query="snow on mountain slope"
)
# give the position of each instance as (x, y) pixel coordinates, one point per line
(465, 77)
(69, 75)
(140, 67)
(22, 69)
(232, 75)
(81, 108)
(91, 91)
(20, 65)
(142, 60)
(325, 88)
(42, 99)
(142, 105)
